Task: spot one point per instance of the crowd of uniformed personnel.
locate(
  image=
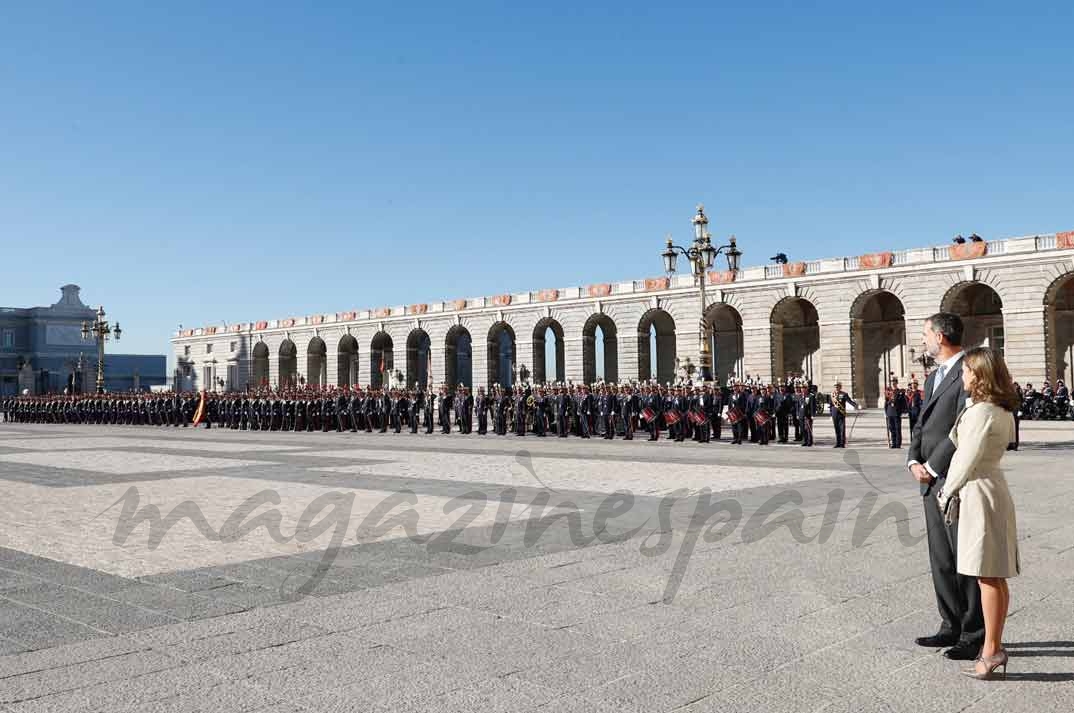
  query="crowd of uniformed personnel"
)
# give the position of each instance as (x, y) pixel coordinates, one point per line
(750, 411)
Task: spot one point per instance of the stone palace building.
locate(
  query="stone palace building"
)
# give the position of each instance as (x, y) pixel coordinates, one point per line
(851, 319)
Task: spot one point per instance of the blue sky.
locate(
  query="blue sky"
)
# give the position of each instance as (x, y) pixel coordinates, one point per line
(204, 162)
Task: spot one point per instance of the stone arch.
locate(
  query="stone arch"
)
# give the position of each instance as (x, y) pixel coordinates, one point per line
(541, 372)
(261, 364)
(877, 344)
(458, 357)
(317, 362)
(795, 338)
(381, 360)
(501, 362)
(656, 343)
(288, 356)
(419, 350)
(723, 323)
(599, 337)
(981, 310)
(1059, 329)
(347, 361)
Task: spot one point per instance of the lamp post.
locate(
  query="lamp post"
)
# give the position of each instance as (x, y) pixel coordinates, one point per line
(100, 330)
(702, 255)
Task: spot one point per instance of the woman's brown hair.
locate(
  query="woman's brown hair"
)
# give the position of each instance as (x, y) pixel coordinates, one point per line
(993, 381)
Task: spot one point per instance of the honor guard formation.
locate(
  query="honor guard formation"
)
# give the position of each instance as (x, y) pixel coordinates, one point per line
(753, 412)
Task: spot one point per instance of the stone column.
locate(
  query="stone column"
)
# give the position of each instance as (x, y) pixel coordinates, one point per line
(1023, 333)
(572, 355)
(832, 362)
(762, 346)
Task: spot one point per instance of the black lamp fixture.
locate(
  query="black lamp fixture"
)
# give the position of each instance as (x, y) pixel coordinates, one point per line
(702, 256)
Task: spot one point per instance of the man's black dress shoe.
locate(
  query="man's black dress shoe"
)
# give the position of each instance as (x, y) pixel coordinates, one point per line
(965, 651)
(937, 641)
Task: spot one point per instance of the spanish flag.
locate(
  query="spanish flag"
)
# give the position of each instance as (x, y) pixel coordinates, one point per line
(200, 413)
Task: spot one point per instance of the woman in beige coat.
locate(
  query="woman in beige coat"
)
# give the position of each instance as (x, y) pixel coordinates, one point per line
(987, 531)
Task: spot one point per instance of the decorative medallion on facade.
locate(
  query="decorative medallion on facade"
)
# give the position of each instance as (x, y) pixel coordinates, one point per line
(601, 290)
(501, 300)
(316, 319)
(968, 251)
(1065, 240)
(418, 309)
(871, 261)
(657, 283)
(289, 322)
(458, 305)
(382, 312)
(721, 278)
(548, 295)
(263, 324)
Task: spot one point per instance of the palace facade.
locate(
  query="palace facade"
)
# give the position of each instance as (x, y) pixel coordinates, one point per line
(856, 320)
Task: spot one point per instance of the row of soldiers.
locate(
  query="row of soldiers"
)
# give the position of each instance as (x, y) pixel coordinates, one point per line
(757, 414)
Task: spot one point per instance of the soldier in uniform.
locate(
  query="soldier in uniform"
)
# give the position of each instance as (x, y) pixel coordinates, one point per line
(784, 407)
(606, 411)
(806, 406)
(540, 411)
(763, 407)
(563, 405)
(481, 410)
(465, 410)
(915, 401)
(894, 407)
(838, 408)
(444, 414)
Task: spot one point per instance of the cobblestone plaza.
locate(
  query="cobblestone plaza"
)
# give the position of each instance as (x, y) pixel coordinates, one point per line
(461, 573)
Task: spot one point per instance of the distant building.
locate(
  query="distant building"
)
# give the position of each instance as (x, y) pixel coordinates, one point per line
(42, 351)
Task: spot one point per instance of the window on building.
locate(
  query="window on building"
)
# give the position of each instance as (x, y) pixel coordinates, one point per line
(233, 346)
(996, 339)
(8, 338)
(186, 351)
(208, 348)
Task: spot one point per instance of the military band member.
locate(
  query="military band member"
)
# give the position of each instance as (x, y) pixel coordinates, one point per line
(784, 405)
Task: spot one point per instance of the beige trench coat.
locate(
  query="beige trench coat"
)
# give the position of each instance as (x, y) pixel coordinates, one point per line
(987, 529)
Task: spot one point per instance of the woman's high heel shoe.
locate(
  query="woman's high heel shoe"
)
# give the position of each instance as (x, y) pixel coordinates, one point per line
(997, 660)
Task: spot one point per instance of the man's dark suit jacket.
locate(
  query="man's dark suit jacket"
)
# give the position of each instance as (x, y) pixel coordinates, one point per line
(943, 402)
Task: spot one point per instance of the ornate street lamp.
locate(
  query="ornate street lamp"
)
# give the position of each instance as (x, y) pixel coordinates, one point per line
(702, 256)
(100, 330)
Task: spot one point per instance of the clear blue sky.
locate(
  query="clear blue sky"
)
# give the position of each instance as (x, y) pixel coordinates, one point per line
(211, 162)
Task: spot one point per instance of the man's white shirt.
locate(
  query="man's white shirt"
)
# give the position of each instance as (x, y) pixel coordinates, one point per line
(941, 373)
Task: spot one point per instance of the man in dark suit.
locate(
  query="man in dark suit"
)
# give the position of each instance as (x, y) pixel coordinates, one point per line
(958, 597)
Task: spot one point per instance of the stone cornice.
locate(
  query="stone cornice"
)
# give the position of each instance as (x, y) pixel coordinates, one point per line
(847, 269)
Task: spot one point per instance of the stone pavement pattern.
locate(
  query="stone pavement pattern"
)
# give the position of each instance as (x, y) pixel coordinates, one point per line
(455, 573)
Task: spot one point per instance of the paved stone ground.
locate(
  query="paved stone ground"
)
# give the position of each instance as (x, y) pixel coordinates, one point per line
(339, 572)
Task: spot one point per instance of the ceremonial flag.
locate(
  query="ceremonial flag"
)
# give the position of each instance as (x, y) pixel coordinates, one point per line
(200, 413)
